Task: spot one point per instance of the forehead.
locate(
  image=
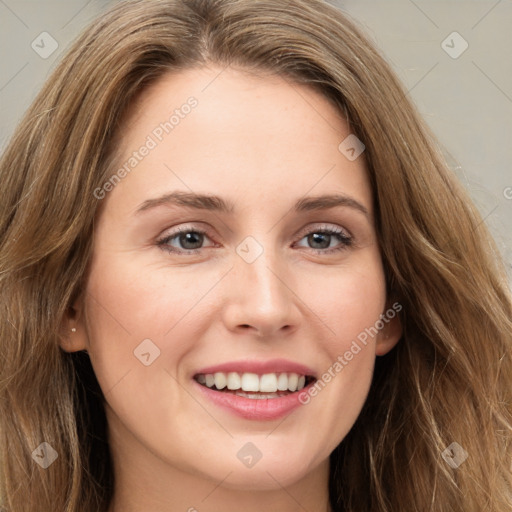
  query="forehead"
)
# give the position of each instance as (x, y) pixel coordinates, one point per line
(224, 130)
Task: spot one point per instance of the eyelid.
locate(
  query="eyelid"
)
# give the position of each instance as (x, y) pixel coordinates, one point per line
(323, 226)
(184, 228)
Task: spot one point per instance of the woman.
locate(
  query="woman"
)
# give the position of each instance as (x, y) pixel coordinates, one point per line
(254, 370)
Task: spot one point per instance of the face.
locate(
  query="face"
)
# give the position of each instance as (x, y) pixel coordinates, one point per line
(265, 286)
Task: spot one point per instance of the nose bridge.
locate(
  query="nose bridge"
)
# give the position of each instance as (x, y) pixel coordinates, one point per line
(259, 291)
(260, 267)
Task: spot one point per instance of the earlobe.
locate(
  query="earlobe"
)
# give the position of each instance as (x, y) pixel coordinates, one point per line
(391, 332)
(72, 336)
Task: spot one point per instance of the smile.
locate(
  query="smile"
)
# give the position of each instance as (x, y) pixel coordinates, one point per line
(257, 391)
(254, 386)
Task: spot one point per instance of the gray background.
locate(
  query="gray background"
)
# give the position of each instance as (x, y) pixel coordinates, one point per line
(466, 98)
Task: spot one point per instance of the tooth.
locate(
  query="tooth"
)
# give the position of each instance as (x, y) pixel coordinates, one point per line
(293, 379)
(282, 382)
(268, 383)
(210, 380)
(233, 381)
(250, 382)
(220, 380)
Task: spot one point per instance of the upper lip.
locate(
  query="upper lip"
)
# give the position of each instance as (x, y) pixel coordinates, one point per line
(259, 367)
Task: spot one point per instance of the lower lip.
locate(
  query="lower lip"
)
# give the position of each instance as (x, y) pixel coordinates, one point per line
(253, 408)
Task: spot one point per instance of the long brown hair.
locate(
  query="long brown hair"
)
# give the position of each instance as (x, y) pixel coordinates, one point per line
(449, 379)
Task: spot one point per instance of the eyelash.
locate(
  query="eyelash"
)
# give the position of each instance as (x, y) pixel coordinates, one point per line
(346, 241)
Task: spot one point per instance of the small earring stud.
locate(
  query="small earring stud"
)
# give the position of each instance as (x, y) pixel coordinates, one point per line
(73, 329)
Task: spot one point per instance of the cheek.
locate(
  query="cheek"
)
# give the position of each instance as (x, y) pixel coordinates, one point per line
(142, 301)
(360, 301)
(129, 303)
(349, 307)
(124, 310)
(347, 300)
(138, 336)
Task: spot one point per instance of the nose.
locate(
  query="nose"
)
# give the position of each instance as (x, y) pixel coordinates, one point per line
(260, 297)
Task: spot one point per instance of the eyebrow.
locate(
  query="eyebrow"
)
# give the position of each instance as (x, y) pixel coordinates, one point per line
(218, 204)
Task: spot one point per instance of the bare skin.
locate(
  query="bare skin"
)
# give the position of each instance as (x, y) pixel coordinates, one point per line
(262, 144)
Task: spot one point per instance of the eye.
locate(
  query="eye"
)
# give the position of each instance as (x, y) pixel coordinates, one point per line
(321, 240)
(190, 240)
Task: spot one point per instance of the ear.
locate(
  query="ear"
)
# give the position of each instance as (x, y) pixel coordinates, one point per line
(392, 330)
(73, 336)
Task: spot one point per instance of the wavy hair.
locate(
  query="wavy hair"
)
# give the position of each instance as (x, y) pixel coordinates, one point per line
(448, 380)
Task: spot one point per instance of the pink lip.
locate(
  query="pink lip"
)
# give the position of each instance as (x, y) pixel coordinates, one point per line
(254, 409)
(260, 367)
